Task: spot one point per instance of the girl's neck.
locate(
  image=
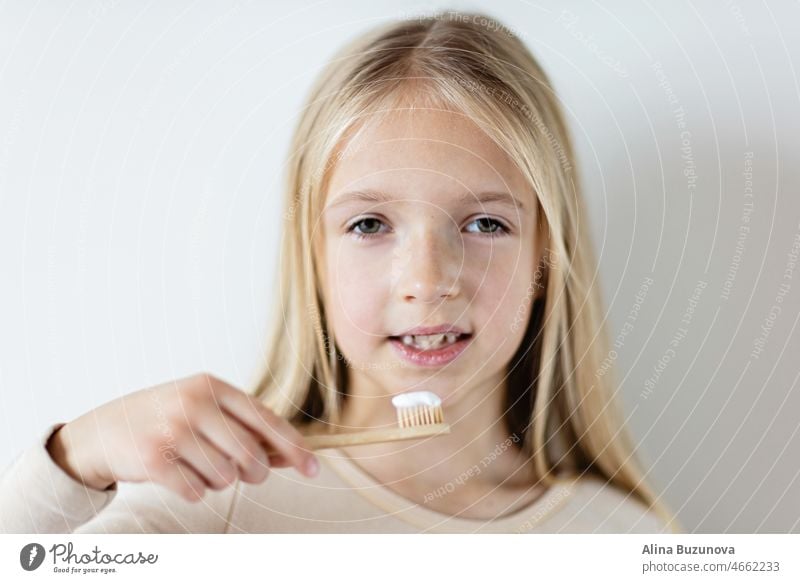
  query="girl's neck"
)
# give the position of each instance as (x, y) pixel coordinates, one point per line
(479, 443)
(476, 471)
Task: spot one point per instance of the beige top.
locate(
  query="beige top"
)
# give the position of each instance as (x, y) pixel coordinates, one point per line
(37, 496)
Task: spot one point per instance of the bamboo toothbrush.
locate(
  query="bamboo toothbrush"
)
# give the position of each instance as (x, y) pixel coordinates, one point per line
(419, 414)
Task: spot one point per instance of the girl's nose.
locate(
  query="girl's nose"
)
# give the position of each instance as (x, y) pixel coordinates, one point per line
(426, 267)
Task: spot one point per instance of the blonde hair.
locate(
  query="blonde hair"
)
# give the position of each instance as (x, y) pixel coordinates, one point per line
(559, 393)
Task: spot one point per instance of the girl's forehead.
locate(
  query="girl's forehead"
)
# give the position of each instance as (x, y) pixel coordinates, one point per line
(423, 124)
(424, 146)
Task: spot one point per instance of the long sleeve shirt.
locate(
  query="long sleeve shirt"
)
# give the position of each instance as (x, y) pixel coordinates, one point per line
(38, 496)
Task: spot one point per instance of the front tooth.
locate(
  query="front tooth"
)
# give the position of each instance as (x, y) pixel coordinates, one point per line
(432, 340)
(420, 341)
(428, 341)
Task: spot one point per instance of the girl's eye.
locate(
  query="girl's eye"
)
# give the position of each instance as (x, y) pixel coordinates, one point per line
(367, 227)
(490, 226)
(370, 227)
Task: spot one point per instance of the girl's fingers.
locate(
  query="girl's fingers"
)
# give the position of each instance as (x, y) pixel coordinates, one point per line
(183, 480)
(276, 460)
(237, 443)
(216, 469)
(273, 428)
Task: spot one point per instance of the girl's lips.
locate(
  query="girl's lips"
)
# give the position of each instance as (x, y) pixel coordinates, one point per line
(430, 358)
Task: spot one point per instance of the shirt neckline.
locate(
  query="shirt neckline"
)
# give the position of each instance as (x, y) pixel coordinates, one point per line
(526, 518)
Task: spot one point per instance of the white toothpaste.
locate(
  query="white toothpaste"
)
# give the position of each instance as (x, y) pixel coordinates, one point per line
(416, 399)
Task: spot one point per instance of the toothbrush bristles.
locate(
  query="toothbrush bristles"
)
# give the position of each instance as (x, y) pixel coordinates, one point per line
(418, 408)
(419, 415)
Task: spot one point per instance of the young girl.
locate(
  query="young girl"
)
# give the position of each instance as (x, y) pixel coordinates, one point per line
(435, 240)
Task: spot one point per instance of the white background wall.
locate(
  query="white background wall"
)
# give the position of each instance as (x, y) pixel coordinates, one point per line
(141, 151)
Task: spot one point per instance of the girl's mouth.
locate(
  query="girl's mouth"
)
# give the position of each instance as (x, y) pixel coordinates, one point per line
(430, 350)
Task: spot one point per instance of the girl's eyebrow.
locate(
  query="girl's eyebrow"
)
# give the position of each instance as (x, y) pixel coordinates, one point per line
(376, 196)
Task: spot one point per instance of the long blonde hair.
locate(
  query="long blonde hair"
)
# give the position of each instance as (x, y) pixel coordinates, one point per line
(559, 394)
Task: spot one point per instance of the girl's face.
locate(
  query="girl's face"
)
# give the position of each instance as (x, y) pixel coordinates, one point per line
(449, 240)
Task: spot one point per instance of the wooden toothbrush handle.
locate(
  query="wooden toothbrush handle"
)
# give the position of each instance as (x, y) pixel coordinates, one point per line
(330, 440)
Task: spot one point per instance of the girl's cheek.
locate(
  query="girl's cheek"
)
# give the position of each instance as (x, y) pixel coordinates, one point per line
(358, 297)
(504, 297)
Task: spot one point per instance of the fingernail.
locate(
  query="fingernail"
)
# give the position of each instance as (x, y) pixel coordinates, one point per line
(312, 466)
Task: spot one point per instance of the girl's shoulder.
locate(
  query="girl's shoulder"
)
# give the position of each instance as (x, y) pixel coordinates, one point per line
(595, 504)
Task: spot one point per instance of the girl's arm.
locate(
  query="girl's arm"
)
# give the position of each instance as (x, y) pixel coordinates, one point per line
(38, 496)
(173, 450)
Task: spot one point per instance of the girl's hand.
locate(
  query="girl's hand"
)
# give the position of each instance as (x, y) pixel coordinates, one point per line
(188, 435)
